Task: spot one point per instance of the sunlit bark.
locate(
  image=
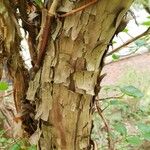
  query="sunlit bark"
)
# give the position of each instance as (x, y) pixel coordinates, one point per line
(66, 86)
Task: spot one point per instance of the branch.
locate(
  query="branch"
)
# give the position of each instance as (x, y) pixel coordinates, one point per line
(78, 9)
(110, 144)
(7, 94)
(44, 33)
(129, 41)
(125, 58)
(113, 97)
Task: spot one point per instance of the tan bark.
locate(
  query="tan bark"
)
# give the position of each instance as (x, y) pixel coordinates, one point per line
(10, 49)
(66, 85)
(10, 54)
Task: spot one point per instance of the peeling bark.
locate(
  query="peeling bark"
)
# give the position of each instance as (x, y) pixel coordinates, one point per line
(11, 37)
(11, 57)
(65, 87)
(71, 69)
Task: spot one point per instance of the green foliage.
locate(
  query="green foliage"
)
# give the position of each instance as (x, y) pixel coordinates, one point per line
(14, 144)
(140, 42)
(115, 57)
(1, 133)
(16, 147)
(113, 42)
(32, 147)
(39, 3)
(127, 117)
(134, 140)
(3, 86)
(120, 127)
(125, 30)
(146, 23)
(115, 102)
(3, 140)
(132, 91)
(146, 136)
(145, 130)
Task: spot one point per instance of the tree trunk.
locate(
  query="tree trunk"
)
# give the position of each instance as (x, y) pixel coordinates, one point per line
(68, 82)
(66, 86)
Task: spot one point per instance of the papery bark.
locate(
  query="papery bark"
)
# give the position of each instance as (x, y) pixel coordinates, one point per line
(66, 84)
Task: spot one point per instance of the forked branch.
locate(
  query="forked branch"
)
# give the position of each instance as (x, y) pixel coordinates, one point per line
(129, 42)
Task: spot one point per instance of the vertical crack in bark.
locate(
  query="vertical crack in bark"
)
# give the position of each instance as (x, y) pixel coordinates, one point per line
(77, 122)
(58, 122)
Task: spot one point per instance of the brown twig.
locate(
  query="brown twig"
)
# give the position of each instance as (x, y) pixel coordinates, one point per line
(44, 37)
(105, 108)
(113, 97)
(129, 41)
(43, 43)
(99, 110)
(107, 98)
(78, 9)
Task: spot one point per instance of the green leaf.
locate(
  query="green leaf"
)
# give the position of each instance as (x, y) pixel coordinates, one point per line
(3, 86)
(132, 91)
(2, 132)
(113, 42)
(3, 140)
(134, 140)
(16, 147)
(146, 136)
(115, 56)
(116, 102)
(144, 128)
(39, 3)
(125, 30)
(32, 147)
(120, 127)
(146, 23)
(10, 140)
(140, 42)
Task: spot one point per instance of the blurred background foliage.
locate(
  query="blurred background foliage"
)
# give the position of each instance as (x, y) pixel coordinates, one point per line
(127, 113)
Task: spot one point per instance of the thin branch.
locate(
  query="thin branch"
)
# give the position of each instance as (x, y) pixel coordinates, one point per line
(129, 35)
(113, 97)
(78, 9)
(105, 108)
(44, 37)
(129, 54)
(7, 95)
(99, 110)
(129, 41)
(118, 97)
(125, 58)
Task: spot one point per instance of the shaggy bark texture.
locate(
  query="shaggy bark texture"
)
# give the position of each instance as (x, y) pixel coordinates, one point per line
(67, 84)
